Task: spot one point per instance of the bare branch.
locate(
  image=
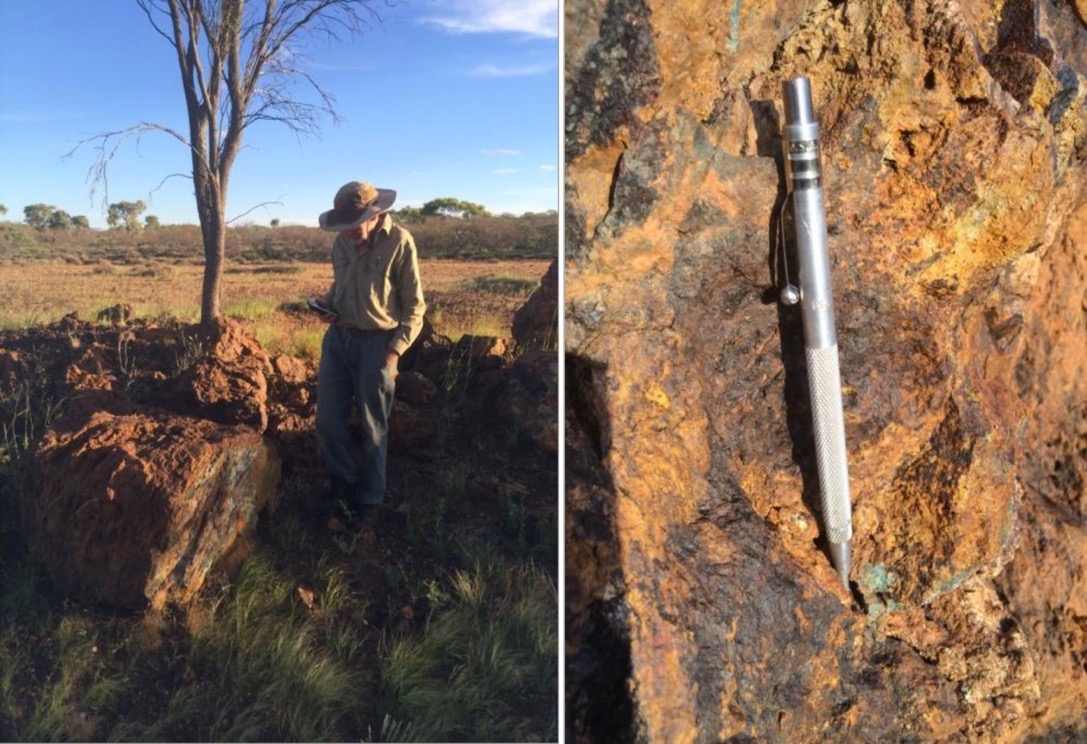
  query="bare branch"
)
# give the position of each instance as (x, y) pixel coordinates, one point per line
(194, 70)
(253, 209)
(319, 17)
(147, 6)
(108, 145)
(275, 103)
(172, 175)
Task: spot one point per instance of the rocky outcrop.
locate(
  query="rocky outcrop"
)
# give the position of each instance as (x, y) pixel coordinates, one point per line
(429, 355)
(529, 400)
(701, 602)
(229, 384)
(536, 323)
(153, 477)
(134, 508)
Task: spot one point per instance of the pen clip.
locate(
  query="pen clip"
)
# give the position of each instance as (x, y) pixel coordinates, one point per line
(789, 294)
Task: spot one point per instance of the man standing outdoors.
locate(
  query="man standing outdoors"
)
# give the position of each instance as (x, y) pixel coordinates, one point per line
(375, 311)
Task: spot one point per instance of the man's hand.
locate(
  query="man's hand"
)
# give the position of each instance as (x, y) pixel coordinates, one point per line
(392, 361)
(322, 312)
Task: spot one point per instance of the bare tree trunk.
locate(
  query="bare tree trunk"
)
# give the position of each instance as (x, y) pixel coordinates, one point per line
(210, 207)
(214, 254)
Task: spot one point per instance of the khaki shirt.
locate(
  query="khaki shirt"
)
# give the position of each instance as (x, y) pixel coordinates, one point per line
(376, 286)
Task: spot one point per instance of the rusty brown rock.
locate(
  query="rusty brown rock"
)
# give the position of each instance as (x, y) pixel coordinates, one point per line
(135, 508)
(229, 384)
(529, 399)
(415, 388)
(410, 428)
(429, 355)
(953, 145)
(291, 371)
(472, 354)
(536, 323)
(95, 369)
(1045, 583)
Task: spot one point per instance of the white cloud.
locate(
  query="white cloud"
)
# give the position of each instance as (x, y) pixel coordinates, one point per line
(496, 71)
(538, 18)
(547, 167)
(504, 171)
(500, 152)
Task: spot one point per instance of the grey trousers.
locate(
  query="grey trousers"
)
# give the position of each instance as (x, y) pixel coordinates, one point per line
(353, 370)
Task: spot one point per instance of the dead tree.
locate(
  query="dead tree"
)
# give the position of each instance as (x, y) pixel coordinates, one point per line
(240, 65)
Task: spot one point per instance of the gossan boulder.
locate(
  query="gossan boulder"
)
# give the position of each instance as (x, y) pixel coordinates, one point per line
(134, 508)
(530, 397)
(230, 383)
(536, 323)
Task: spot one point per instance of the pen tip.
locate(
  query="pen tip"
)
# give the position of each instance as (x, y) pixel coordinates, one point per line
(840, 557)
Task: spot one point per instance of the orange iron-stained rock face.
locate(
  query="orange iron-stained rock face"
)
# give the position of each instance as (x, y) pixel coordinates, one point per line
(135, 509)
(701, 601)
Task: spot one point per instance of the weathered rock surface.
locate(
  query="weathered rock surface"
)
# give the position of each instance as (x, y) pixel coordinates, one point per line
(229, 384)
(536, 323)
(415, 388)
(132, 507)
(701, 603)
(529, 399)
(429, 355)
(135, 494)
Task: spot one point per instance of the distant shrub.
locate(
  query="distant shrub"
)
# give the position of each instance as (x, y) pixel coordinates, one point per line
(506, 285)
(151, 271)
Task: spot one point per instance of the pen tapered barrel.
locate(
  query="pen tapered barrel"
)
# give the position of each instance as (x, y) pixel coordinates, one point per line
(801, 144)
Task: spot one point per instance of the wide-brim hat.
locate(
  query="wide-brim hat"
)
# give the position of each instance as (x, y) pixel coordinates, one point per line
(355, 203)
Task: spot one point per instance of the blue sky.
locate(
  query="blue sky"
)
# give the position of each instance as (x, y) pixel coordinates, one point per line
(439, 98)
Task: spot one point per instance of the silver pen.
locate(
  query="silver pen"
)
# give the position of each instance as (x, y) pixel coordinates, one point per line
(802, 167)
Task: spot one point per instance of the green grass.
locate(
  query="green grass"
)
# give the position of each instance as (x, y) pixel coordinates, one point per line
(261, 672)
(486, 327)
(485, 668)
(261, 662)
(306, 343)
(265, 667)
(251, 309)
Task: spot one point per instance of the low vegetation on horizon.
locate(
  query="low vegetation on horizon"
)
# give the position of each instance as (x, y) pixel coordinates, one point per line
(439, 235)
